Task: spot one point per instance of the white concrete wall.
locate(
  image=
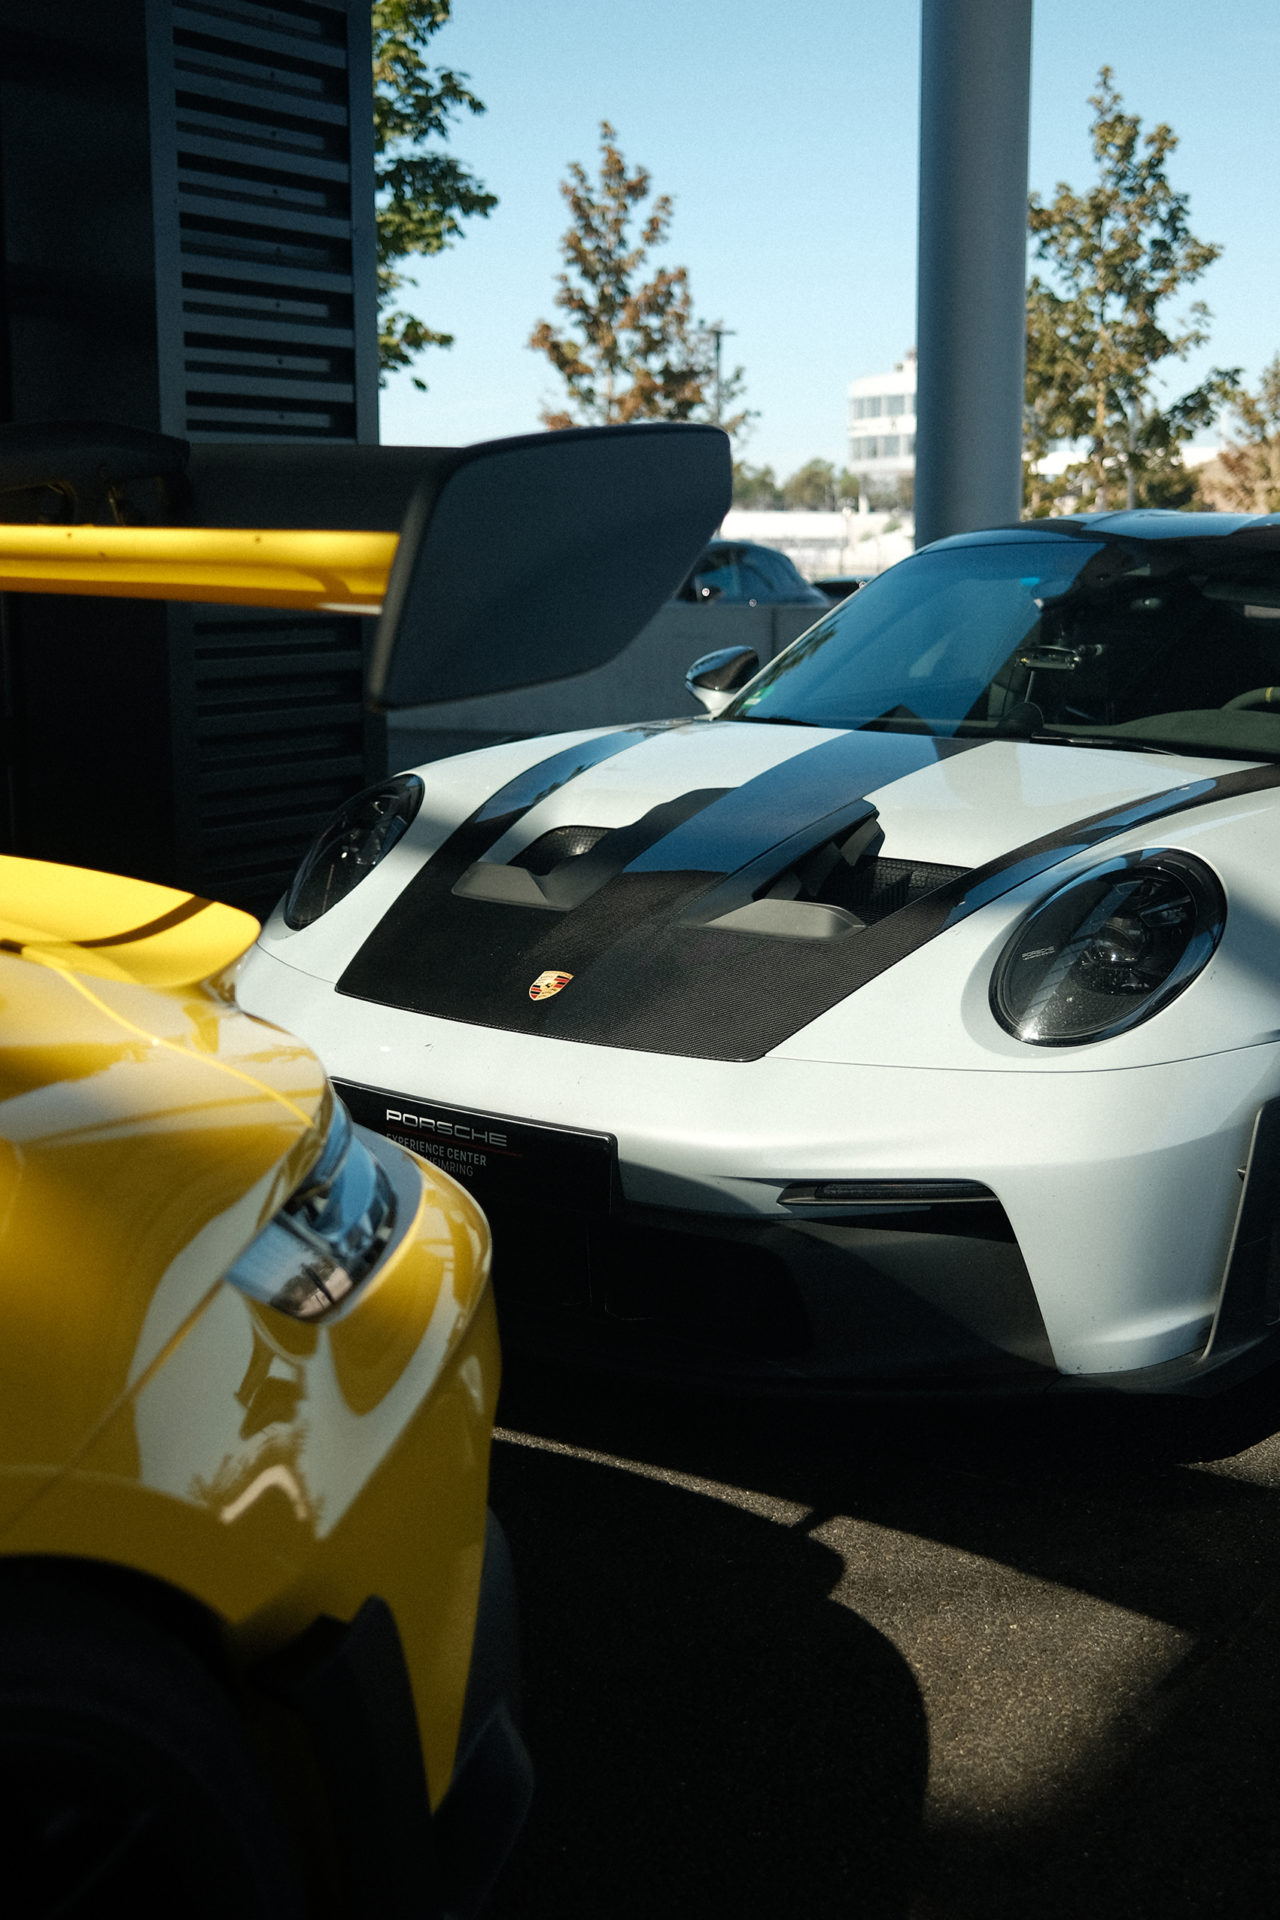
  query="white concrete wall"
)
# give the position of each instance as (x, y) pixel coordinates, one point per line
(847, 541)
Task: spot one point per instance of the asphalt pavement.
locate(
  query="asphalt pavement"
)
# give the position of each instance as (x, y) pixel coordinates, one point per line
(894, 1661)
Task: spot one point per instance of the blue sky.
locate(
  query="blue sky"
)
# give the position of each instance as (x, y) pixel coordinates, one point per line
(786, 132)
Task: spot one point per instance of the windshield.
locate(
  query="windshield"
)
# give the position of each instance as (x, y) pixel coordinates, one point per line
(1137, 644)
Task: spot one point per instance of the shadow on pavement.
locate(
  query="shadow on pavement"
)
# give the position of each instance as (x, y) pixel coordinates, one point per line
(728, 1739)
(712, 1734)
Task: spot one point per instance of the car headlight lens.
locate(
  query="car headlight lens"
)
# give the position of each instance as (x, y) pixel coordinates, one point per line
(328, 1235)
(1109, 949)
(350, 845)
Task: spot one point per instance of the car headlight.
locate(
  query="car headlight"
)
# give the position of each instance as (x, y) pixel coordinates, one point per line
(350, 845)
(327, 1236)
(1108, 949)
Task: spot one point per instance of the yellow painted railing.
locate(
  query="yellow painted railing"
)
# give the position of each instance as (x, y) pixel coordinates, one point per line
(322, 572)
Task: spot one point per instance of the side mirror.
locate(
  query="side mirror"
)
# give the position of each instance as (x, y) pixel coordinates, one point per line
(716, 677)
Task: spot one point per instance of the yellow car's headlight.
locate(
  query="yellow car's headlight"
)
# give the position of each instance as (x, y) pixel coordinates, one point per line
(328, 1235)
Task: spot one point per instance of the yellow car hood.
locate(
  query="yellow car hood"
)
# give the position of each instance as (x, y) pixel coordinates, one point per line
(148, 1128)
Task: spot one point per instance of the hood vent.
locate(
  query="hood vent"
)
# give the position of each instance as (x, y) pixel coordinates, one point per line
(846, 900)
(562, 843)
(878, 888)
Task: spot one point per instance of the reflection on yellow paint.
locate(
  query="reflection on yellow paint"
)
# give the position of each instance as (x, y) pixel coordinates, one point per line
(134, 1168)
(243, 1479)
(371, 1348)
(471, 1374)
(119, 928)
(151, 1416)
(275, 1476)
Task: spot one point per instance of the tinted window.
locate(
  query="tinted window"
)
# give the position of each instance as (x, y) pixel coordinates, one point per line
(782, 579)
(718, 567)
(1177, 645)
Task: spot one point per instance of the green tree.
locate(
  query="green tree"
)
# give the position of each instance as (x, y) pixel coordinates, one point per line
(633, 349)
(1250, 468)
(1117, 254)
(813, 488)
(423, 194)
(755, 486)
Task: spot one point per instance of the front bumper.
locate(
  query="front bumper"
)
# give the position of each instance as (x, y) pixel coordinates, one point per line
(1173, 1270)
(1119, 1190)
(888, 1307)
(927, 1290)
(931, 1297)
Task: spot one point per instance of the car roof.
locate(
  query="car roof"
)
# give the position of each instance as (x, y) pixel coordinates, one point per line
(1139, 523)
(724, 541)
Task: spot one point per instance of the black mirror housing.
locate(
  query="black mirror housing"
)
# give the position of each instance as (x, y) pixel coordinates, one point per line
(715, 677)
(724, 670)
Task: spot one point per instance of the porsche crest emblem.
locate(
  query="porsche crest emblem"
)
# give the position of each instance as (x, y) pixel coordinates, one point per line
(548, 983)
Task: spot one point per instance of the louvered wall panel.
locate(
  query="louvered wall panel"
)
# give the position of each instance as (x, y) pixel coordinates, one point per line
(278, 734)
(186, 243)
(262, 133)
(263, 161)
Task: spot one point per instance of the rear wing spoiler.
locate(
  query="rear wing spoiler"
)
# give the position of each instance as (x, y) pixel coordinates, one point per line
(491, 567)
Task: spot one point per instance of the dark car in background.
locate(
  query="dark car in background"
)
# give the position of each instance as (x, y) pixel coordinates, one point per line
(838, 586)
(743, 573)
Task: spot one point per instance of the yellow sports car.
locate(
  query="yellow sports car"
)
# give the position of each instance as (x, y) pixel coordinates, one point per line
(253, 1625)
(256, 1630)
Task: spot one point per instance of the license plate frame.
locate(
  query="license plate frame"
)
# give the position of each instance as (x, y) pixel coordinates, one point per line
(502, 1160)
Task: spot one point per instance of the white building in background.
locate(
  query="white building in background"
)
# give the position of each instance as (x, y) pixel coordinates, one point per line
(850, 540)
(882, 424)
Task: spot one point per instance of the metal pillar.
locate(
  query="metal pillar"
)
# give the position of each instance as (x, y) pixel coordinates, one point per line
(975, 83)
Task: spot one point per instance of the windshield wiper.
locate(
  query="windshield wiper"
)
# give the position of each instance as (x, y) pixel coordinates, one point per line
(1104, 740)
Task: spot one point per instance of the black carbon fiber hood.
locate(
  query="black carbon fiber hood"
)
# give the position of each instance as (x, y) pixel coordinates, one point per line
(714, 926)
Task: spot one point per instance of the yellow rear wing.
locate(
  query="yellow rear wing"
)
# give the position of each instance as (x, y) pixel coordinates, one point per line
(317, 572)
(496, 566)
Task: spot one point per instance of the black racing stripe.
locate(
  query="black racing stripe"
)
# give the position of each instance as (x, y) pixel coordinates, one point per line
(547, 776)
(790, 797)
(486, 826)
(574, 881)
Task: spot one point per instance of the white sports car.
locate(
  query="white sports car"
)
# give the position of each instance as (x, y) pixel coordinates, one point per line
(911, 1020)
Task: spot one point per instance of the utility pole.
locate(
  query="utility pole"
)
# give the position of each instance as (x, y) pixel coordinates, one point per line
(975, 83)
(718, 333)
(1130, 486)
